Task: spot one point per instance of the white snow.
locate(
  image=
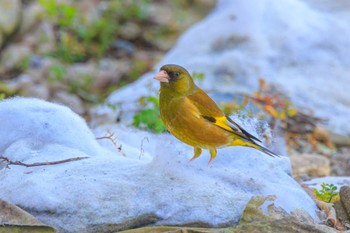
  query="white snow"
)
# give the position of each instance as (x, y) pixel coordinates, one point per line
(32, 123)
(338, 181)
(302, 46)
(108, 187)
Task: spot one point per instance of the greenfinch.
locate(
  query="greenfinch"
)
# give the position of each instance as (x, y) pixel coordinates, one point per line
(194, 118)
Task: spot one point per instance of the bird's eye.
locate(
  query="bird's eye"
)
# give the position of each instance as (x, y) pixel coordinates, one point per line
(177, 74)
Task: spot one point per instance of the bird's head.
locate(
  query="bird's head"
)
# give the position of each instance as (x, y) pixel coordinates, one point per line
(175, 78)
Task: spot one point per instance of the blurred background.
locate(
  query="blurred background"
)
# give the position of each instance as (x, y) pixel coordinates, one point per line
(287, 67)
(77, 52)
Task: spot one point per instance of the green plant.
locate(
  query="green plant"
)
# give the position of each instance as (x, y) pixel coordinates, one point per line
(23, 64)
(81, 86)
(327, 193)
(62, 14)
(56, 73)
(6, 91)
(79, 38)
(149, 118)
(198, 76)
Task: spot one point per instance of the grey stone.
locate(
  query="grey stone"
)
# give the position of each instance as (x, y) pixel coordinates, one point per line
(10, 18)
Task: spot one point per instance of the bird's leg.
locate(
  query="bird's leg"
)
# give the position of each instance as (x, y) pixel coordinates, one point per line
(212, 155)
(197, 153)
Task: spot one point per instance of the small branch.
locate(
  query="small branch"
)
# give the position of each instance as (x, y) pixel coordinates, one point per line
(110, 136)
(10, 162)
(142, 151)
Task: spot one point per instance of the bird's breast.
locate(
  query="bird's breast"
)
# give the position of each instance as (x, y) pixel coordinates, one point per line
(185, 122)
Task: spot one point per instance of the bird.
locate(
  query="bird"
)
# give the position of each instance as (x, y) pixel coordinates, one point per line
(195, 119)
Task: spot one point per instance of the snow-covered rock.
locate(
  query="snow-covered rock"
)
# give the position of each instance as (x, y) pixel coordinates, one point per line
(302, 46)
(154, 177)
(28, 123)
(338, 181)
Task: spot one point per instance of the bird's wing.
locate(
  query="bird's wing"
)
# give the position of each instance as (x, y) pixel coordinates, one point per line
(208, 109)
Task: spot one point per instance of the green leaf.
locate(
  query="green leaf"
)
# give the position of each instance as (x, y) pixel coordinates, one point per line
(327, 192)
(56, 73)
(198, 76)
(149, 118)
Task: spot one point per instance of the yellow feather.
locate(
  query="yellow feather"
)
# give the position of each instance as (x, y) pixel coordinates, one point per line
(223, 123)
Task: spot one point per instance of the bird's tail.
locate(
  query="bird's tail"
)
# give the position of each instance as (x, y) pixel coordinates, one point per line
(239, 142)
(266, 151)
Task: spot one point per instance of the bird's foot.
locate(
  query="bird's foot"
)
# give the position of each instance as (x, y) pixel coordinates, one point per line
(197, 153)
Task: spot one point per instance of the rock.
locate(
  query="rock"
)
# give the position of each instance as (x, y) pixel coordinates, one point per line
(39, 90)
(130, 30)
(13, 54)
(344, 194)
(166, 229)
(14, 219)
(22, 82)
(330, 214)
(261, 215)
(30, 18)
(285, 225)
(154, 177)
(26, 85)
(25, 229)
(10, 18)
(340, 162)
(248, 45)
(143, 220)
(110, 72)
(105, 73)
(340, 6)
(339, 140)
(11, 214)
(341, 214)
(342, 206)
(43, 123)
(263, 209)
(123, 48)
(322, 135)
(46, 31)
(314, 165)
(257, 217)
(72, 101)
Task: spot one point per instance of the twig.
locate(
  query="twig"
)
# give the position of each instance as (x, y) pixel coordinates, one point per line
(110, 136)
(10, 162)
(142, 151)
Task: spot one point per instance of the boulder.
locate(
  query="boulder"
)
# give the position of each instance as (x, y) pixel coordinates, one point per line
(342, 206)
(260, 215)
(314, 165)
(14, 219)
(10, 18)
(137, 180)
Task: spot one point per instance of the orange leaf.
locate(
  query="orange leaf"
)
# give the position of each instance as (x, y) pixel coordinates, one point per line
(271, 110)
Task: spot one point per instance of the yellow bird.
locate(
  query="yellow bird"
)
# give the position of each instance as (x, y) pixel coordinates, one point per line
(194, 118)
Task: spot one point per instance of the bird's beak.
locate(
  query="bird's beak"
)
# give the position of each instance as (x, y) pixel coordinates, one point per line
(162, 76)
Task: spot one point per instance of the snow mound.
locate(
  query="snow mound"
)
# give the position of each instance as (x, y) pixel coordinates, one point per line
(36, 124)
(154, 176)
